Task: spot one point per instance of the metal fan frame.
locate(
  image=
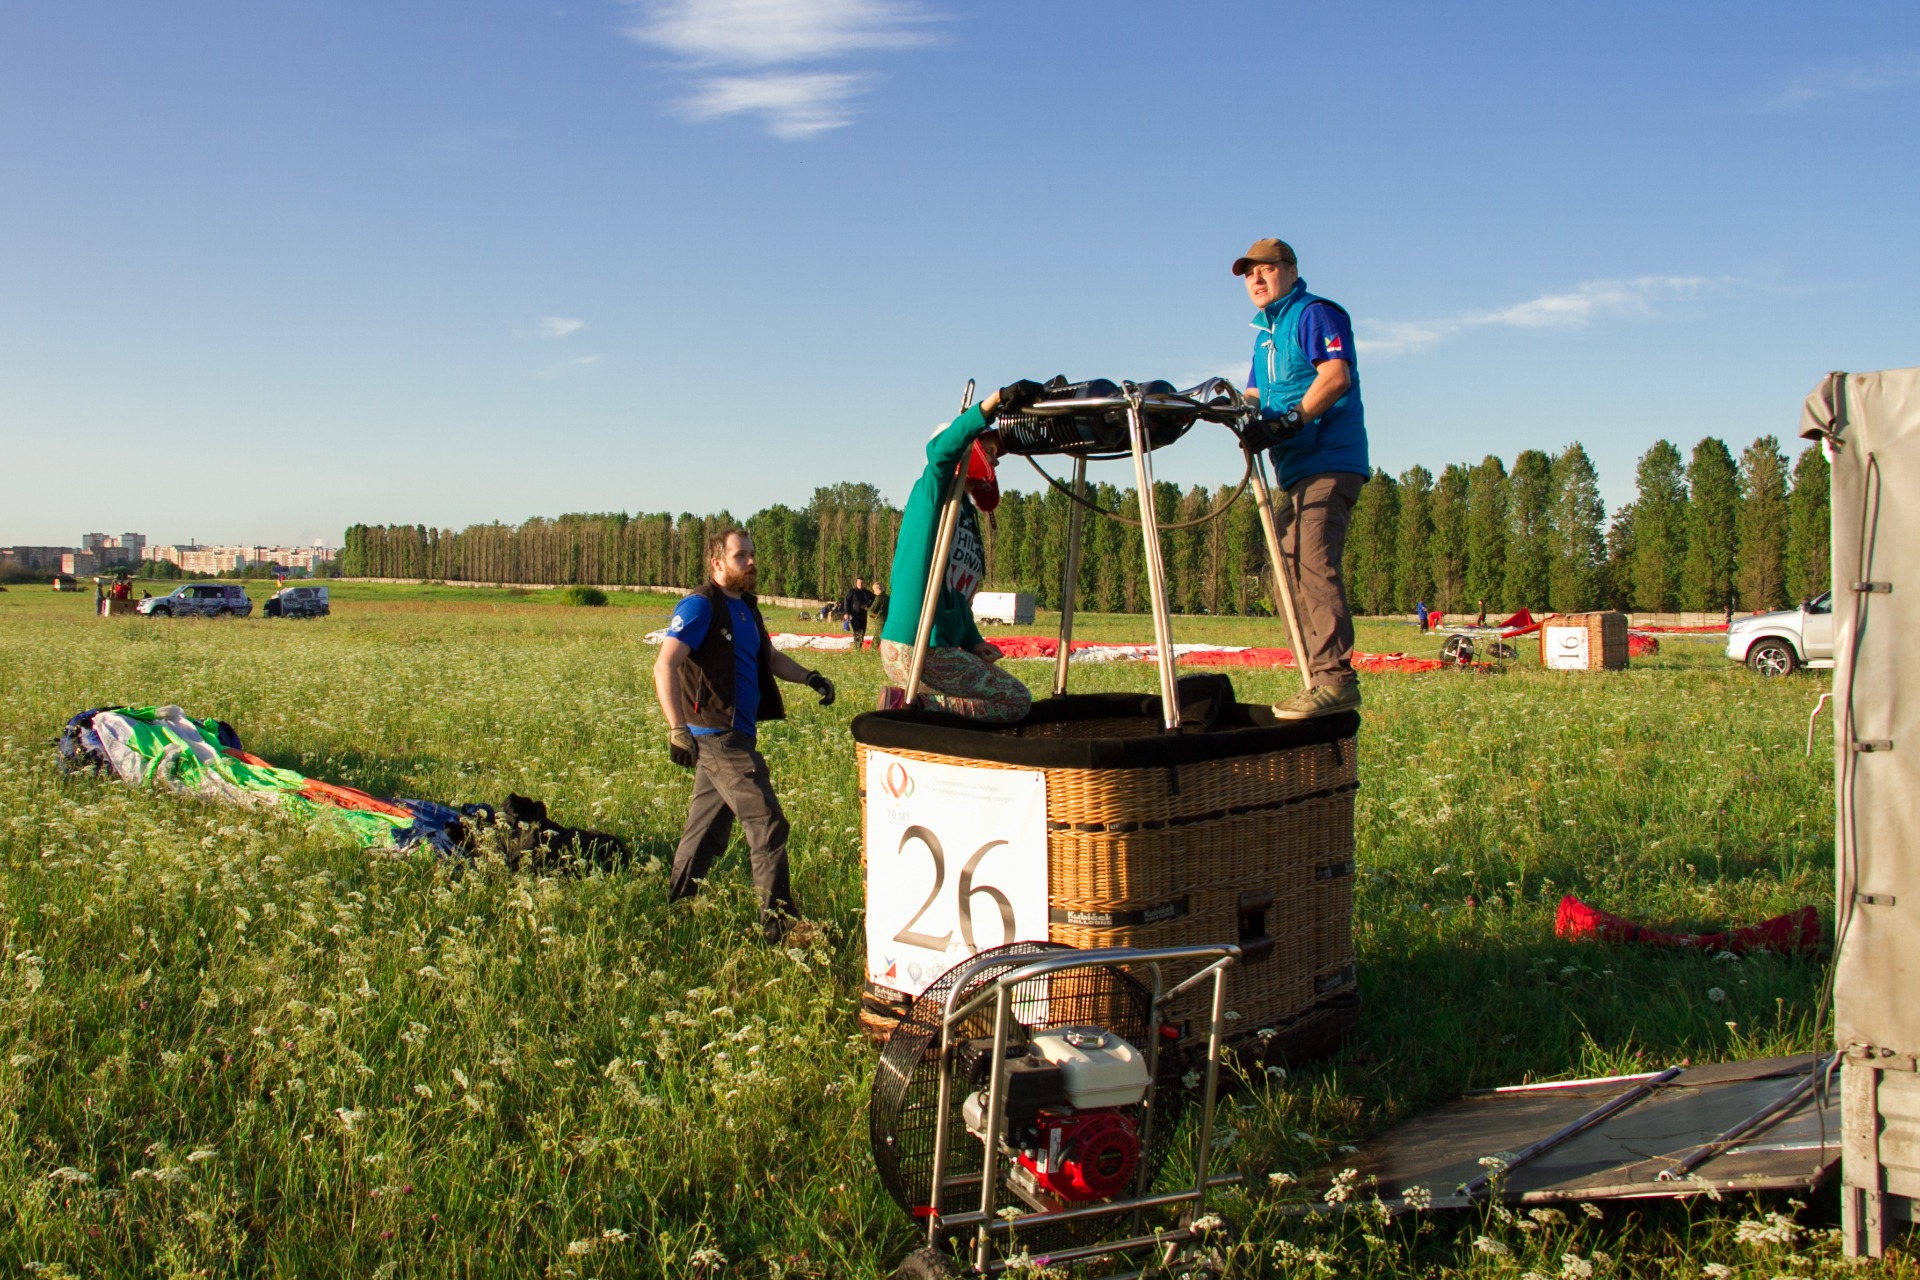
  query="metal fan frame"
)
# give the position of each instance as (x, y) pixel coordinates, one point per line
(999, 994)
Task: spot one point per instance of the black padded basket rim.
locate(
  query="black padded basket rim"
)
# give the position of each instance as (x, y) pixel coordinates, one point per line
(1231, 729)
(904, 1065)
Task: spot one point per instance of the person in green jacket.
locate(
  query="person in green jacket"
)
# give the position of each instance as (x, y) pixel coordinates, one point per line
(960, 675)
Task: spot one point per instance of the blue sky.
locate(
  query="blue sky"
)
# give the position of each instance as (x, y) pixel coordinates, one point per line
(273, 269)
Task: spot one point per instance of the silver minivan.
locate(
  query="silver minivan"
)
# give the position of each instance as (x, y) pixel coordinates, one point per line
(1774, 644)
(200, 600)
(298, 602)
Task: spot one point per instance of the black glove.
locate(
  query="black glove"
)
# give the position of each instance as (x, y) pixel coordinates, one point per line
(1016, 396)
(680, 747)
(822, 686)
(1272, 426)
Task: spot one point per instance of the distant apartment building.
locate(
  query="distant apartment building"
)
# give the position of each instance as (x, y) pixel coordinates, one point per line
(196, 560)
(35, 559)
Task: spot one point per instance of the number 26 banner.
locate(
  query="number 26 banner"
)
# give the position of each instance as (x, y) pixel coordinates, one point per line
(956, 863)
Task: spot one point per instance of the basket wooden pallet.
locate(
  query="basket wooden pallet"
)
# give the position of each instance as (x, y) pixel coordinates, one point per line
(1584, 642)
(1239, 831)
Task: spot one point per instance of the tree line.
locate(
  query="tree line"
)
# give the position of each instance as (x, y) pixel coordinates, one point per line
(1704, 533)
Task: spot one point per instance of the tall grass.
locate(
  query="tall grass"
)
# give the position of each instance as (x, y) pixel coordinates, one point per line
(232, 1045)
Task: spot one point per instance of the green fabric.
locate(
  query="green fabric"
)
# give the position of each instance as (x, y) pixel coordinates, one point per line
(953, 625)
(152, 740)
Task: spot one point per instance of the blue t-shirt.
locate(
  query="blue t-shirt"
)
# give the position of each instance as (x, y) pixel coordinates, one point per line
(1325, 334)
(691, 618)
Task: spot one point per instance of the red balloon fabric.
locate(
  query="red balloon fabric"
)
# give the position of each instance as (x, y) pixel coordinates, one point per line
(1797, 930)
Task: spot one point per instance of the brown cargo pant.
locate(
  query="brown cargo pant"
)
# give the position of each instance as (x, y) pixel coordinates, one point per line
(1313, 517)
(729, 781)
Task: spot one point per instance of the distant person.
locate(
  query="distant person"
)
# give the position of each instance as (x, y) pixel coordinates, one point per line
(715, 682)
(1420, 613)
(1307, 385)
(959, 676)
(858, 600)
(1481, 621)
(881, 600)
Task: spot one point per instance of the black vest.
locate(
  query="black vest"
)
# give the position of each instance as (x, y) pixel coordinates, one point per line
(707, 677)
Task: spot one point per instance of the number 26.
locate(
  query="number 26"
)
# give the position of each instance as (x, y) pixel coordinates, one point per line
(966, 889)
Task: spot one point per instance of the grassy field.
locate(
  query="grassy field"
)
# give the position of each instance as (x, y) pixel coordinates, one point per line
(236, 1046)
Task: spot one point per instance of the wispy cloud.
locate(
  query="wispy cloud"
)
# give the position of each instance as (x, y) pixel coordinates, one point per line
(1849, 80)
(560, 326)
(756, 57)
(1597, 299)
(561, 368)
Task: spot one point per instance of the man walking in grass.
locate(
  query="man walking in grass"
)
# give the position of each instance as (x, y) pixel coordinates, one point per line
(855, 604)
(1308, 388)
(715, 682)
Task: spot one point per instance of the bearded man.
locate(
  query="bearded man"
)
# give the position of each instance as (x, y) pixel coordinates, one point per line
(715, 682)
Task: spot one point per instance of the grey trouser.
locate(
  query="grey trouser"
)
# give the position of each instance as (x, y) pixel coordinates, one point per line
(730, 781)
(1313, 517)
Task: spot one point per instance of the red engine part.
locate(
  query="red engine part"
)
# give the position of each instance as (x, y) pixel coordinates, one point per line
(1084, 1155)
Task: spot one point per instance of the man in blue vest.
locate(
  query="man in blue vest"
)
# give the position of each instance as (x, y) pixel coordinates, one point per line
(715, 682)
(1308, 388)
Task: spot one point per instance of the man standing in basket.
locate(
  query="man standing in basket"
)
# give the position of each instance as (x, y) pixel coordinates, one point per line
(1307, 386)
(715, 681)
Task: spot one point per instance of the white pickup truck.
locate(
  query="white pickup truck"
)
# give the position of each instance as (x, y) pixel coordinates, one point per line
(1774, 644)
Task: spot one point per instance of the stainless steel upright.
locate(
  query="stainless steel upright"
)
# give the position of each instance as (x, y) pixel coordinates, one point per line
(1156, 567)
(1282, 580)
(937, 567)
(1070, 577)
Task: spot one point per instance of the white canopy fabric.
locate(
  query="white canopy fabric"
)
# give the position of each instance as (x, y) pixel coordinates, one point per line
(1869, 424)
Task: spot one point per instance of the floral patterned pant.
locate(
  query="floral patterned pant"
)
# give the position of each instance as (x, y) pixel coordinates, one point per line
(959, 683)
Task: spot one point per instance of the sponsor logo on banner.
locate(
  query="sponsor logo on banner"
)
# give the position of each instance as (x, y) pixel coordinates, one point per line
(956, 864)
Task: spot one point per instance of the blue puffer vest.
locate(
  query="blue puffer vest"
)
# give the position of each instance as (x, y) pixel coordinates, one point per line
(1337, 441)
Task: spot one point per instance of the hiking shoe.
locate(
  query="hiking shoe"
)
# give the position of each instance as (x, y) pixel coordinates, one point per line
(1321, 700)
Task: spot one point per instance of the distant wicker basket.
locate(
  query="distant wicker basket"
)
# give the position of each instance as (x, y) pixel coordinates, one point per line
(1584, 642)
(1239, 829)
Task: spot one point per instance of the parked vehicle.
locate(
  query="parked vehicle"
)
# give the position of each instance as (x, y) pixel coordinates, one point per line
(1775, 644)
(297, 602)
(200, 600)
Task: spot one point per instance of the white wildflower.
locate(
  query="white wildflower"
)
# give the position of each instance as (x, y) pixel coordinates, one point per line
(1716, 1271)
(202, 1153)
(71, 1176)
(1207, 1222)
(1575, 1267)
(1547, 1217)
(1488, 1245)
(1774, 1229)
(708, 1257)
(1279, 1179)
(349, 1117)
(1419, 1199)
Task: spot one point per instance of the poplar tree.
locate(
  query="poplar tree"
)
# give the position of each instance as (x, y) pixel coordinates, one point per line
(1413, 552)
(1713, 518)
(1529, 531)
(1578, 544)
(1371, 554)
(1486, 535)
(1762, 525)
(1449, 549)
(1659, 529)
(1809, 527)
(1616, 575)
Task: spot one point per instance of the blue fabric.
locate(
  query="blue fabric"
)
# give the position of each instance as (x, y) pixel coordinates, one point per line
(437, 825)
(1297, 332)
(691, 618)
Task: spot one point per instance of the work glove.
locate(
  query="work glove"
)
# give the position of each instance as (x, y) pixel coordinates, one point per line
(1016, 396)
(822, 686)
(680, 747)
(1272, 426)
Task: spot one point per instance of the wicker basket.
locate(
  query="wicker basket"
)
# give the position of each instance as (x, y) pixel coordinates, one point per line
(1584, 642)
(1239, 830)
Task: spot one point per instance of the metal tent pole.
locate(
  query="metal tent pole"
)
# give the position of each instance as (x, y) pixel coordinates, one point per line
(1282, 586)
(1156, 569)
(937, 567)
(1070, 579)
